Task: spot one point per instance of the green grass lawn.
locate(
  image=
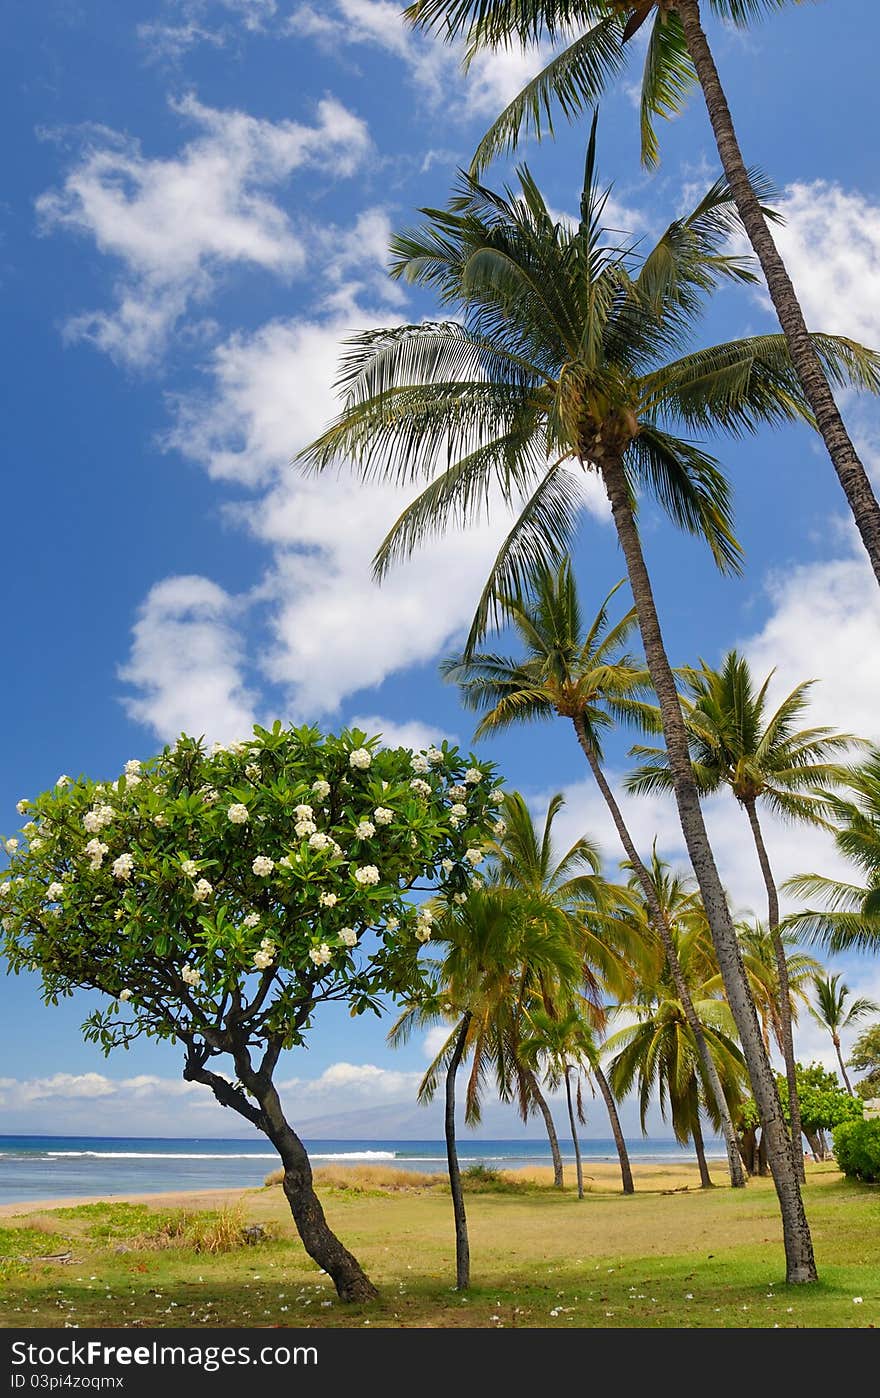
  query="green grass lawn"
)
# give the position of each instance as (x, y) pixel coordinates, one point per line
(539, 1258)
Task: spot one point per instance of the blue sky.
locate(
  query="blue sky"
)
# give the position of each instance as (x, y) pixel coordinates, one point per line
(196, 210)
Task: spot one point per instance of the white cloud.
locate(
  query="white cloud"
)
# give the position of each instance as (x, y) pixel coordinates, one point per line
(434, 66)
(186, 662)
(173, 224)
(413, 734)
(169, 39)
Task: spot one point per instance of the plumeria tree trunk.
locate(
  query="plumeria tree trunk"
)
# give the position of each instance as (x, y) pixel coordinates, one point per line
(850, 471)
(800, 1261)
(544, 1108)
(574, 1134)
(700, 1148)
(661, 927)
(462, 1247)
(785, 1021)
(616, 1130)
(318, 1239)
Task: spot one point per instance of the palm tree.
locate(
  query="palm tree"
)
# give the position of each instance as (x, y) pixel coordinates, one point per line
(557, 366)
(760, 758)
(850, 921)
(500, 947)
(831, 1012)
(657, 1054)
(582, 673)
(678, 55)
(572, 888)
(762, 969)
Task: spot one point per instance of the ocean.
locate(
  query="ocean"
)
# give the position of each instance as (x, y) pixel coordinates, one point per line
(57, 1167)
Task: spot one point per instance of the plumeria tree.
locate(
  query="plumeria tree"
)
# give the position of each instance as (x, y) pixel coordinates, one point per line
(217, 897)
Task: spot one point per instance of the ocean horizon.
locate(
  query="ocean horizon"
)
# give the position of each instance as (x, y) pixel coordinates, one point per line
(60, 1167)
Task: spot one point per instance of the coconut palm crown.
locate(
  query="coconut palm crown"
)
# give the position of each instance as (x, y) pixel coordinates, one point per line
(571, 354)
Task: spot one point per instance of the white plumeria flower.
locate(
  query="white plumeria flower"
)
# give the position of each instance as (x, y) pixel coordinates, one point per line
(252, 771)
(321, 788)
(36, 844)
(392, 923)
(217, 748)
(499, 828)
(328, 900)
(53, 892)
(382, 815)
(238, 747)
(360, 759)
(123, 866)
(472, 776)
(320, 955)
(22, 805)
(303, 812)
(266, 943)
(92, 822)
(284, 862)
(238, 814)
(348, 936)
(458, 793)
(319, 840)
(423, 932)
(125, 994)
(63, 780)
(447, 865)
(4, 888)
(476, 882)
(425, 915)
(434, 755)
(95, 851)
(191, 974)
(190, 868)
(210, 795)
(264, 957)
(474, 856)
(29, 829)
(252, 920)
(459, 898)
(496, 796)
(420, 763)
(263, 865)
(420, 787)
(858, 1300)
(304, 828)
(455, 822)
(366, 874)
(132, 780)
(132, 767)
(364, 829)
(459, 811)
(202, 890)
(160, 821)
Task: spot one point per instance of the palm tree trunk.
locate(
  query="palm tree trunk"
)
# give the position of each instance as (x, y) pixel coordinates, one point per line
(616, 1131)
(850, 471)
(543, 1107)
(661, 927)
(574, 1134)
(799, 1259)
(699, 1147)
(462, 1248)
(785, 1024)
(842, 1066)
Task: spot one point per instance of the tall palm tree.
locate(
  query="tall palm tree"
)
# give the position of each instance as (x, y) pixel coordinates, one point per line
(500, 947)
(571, 887)
(678, 56)
(832, 1013)
(762, 969)
(850, 920)
(558, 366)
(657, 1054)
(761, 759)
(580, 672)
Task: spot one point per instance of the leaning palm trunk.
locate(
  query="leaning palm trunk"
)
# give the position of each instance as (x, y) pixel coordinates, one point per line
(616, 1129)
(661, 927)
(462, 1248)
(785, 1024)
(574, 1134)
(847, 1083)
(850, 471)
(800, 1262)
(544, 1108)
(700, 1148)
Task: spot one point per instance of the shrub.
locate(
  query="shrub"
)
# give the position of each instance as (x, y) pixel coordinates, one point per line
(857, 1147)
